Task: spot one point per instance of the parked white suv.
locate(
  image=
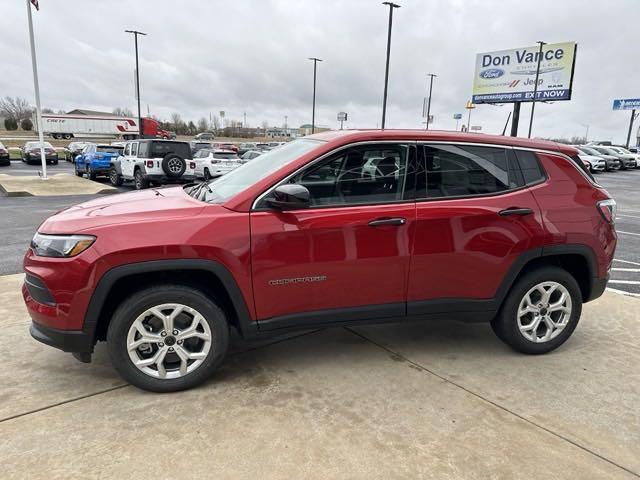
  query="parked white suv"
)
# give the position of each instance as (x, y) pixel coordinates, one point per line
(153, 161)
(215, 163)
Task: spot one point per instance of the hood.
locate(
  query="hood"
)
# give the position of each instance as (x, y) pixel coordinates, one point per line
(590, 158)
(147, 205)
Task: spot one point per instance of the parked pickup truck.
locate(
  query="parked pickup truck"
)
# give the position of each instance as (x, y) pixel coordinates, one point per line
(96, 160)
(153, 161)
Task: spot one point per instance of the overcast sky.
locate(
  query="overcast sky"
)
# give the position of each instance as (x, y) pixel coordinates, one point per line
(203, 56)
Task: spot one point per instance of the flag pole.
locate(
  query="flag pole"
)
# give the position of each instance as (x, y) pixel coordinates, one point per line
(43, 158)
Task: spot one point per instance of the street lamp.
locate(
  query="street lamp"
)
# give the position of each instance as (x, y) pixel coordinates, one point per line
(135, 35)
(535, 87)
(313, 111)
(386, 71)
(429, 101)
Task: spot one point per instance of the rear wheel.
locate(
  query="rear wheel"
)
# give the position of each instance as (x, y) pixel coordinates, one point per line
(207, 175)
(91, 175)
(167, 338)
(540, 312)
(115, 179)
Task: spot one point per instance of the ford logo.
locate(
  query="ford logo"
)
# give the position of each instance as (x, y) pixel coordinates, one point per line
(491, 73)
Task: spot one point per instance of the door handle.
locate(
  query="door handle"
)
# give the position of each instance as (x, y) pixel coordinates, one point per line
(515, 211)
(380, 222)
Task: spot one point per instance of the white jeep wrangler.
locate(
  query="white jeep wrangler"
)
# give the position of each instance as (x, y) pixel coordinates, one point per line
(153, 161)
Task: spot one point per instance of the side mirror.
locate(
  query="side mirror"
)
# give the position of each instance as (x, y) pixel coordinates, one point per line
(290, 197)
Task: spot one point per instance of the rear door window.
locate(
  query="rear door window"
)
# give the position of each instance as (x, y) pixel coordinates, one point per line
(143, 150)
(465, 170)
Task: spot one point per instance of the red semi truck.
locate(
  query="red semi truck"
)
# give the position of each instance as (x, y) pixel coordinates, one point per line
(69, 126)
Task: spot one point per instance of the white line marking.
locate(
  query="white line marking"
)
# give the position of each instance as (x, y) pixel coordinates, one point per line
(625, 261)
(626, 269)
(628, 216)
(622, 292)
(626, 282)
(628, 233)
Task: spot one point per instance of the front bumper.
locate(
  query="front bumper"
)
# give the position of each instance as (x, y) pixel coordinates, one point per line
(73, 341)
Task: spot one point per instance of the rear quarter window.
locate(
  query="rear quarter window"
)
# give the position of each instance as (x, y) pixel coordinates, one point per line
(530, 167)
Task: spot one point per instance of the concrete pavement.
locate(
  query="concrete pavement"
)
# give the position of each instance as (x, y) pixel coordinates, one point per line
(432, 400)
(58, 184)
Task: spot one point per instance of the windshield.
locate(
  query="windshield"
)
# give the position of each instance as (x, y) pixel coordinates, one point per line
(249, 173)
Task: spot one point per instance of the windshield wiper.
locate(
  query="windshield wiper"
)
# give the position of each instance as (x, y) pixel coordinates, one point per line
(195, 191)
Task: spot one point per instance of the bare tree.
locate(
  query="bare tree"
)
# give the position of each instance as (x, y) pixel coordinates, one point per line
(216, 123)
(47, 110)
(176, 119)
(202, 124)
(17, 108)
(122, 112)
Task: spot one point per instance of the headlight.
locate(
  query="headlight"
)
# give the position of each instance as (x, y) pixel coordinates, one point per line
(60, 245)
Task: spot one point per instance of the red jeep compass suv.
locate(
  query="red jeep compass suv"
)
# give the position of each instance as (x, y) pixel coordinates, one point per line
(339, 228)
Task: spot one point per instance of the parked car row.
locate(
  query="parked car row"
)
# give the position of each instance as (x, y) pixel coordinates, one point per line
(599, 158)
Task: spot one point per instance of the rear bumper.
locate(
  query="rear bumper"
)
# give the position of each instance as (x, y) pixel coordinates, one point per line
(74, 341)
(165, 179)
(598, 286)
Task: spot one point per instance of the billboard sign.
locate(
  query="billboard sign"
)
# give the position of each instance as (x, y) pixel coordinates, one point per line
(509, 75)
(627, 104)
(342, 116)
(476, 128)
(457, 116)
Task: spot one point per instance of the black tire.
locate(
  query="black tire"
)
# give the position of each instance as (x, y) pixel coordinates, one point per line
(91, 175)
(79, 173)
(505, 325)
(139, 181)
(55, 162)
(207, 175)
(115, 179)
(138, 303)
(173, 165)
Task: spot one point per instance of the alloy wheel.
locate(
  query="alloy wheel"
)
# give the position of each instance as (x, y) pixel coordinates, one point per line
(169, 341)
(174, 165)
(544, 312)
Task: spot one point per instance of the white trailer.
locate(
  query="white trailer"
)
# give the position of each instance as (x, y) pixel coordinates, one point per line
(78, 126)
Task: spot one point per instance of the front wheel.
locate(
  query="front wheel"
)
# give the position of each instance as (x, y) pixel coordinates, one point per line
(540, 312)
(91, 175)
(167, 338)
(140, 182)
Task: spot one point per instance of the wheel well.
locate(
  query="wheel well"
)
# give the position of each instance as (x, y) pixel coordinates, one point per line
(576, 264)
(205, 281)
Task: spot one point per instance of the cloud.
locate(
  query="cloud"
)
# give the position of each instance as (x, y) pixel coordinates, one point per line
(251, 57)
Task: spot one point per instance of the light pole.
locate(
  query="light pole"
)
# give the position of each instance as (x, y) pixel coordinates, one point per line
(429, 100)
(313, 111)
(135, 35)
(285, 125)
(535, 87)
(386, 70)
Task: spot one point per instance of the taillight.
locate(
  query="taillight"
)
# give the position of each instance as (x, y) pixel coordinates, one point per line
(214, 161)
(192, 165)
(607, 209)
(149, 163)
